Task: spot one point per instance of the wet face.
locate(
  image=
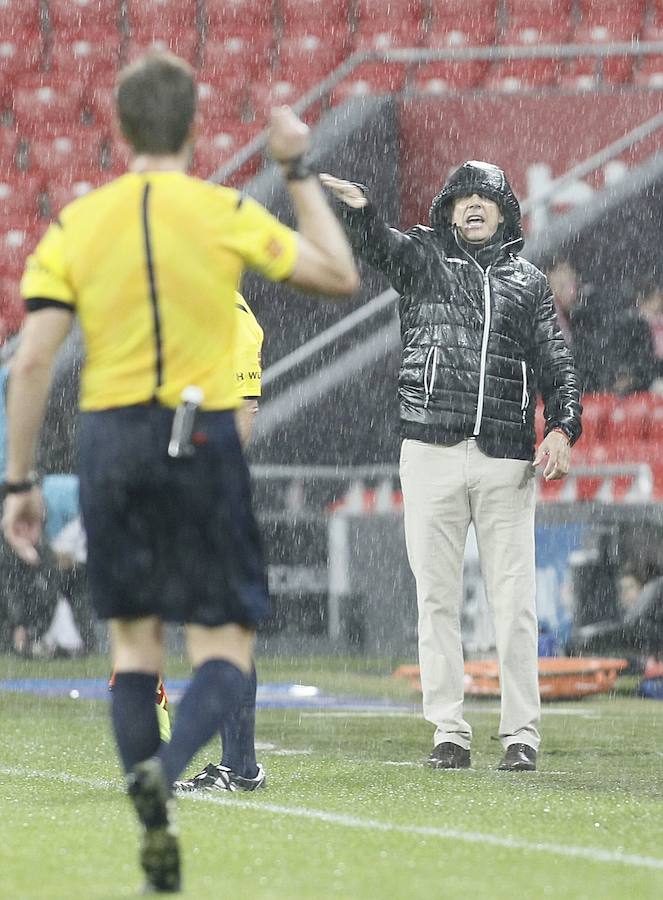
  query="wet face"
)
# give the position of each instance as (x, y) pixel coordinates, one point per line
(563, 282)
(476, 217)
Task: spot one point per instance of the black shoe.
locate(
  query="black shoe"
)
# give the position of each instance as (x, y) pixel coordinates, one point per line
(449, 756)
(518, 758)
(221, 778)
(159, 853)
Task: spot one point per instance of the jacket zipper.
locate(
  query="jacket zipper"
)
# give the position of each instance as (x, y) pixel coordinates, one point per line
(524, 403)
(430, 371)
(484, 347)
(484, 338)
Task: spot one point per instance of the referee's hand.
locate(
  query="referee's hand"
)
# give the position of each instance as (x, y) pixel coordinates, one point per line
(347, 191)
(289, 137)
(22, 519)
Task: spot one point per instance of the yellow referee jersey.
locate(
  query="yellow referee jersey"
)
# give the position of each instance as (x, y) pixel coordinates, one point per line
(150, 263)
(249, 346)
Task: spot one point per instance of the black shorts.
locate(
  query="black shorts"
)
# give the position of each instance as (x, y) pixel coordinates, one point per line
(174, 538)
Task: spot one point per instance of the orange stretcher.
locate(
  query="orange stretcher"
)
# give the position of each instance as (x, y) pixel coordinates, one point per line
(560, 678)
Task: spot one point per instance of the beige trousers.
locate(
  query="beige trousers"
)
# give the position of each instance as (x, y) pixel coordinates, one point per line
(444, 489)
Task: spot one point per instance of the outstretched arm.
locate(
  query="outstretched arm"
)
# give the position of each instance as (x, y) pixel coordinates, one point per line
(388, 250)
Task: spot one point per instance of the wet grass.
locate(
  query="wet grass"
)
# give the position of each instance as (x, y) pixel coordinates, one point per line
(350, 812)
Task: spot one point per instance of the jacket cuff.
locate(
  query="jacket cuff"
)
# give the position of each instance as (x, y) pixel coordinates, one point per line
(571, 430)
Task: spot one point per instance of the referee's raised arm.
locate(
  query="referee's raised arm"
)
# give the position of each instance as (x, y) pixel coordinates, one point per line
(324, 261)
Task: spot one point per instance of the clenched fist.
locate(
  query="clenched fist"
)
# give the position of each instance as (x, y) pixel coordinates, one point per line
(289, 137)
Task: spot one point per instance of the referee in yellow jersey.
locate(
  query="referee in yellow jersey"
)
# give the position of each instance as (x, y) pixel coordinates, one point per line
(149, 264)
(238, 769)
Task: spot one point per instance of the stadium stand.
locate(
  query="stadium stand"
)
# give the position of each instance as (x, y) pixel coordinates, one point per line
(59, 60)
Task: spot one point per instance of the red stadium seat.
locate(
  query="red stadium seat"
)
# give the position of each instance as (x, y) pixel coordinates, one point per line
(601, 11)
(16, 243)
(627, 451)
(79, 17)
(371, 78)
(9, 146)
(461, 34)
(649, 71)
(472, 22)
(446, 76)
(94, 59)
(19, 15)
(213, 151)
(47, 107)
(219, 103)
(263, 96)
(603, 24)
(78, 153)
(299, 15)
(99, 105)
(629, 419)
(19, 198)
(167, 15)
(526, 32)
(397, 10)
(596, 410)
(538, 13)
(522, 74)
(240, 52)
(653, 29)
(383, 34)
(20, 54)
(656, 422)
(588, 72)
(306, 59)
(218, 17)
(59, 195)
(381, 24)
(118, 157)
(182, 42)
(12, 311)
(5, 91)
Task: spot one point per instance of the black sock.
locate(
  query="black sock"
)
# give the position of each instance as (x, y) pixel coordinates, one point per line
(214, 694)
(239, 734)
(134, 717)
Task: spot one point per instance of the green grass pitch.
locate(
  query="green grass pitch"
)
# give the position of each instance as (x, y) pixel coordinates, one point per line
(349, 811)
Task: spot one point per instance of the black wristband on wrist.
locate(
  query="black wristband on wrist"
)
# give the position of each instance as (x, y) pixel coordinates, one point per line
(20, 487)
(297, 169)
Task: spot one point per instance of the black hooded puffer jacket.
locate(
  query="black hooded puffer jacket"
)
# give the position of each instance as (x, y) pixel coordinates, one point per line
(478, 327)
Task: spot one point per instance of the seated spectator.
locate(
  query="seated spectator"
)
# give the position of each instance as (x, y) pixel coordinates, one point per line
(611, 343)
(34, 597)
(637, 631)
(45, 610)
(649, 301)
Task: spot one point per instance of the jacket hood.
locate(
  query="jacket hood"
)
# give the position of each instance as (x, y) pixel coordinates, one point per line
(483, 178)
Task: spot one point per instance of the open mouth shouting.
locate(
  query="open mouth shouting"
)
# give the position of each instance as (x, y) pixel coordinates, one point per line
(474, 220)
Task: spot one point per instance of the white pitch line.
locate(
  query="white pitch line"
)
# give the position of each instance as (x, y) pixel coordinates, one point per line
(589, 854)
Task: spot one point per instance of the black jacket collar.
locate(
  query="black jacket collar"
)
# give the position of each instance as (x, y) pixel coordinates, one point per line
(484, 254)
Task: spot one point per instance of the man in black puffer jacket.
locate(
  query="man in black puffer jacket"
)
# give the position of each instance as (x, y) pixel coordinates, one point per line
(480, 341)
